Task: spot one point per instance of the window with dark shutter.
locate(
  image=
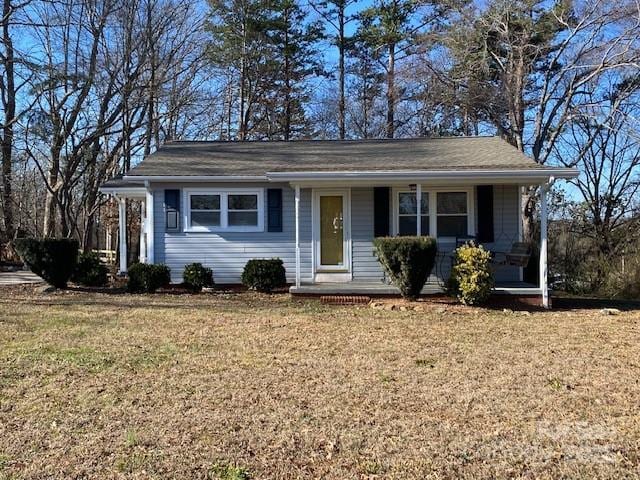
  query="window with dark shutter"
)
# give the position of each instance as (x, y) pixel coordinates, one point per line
(274, 209)
(381, 211)
(484, 206)
(172, 210)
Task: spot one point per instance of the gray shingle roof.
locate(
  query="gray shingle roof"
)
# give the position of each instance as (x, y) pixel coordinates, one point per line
(119, 182)
(188, 158)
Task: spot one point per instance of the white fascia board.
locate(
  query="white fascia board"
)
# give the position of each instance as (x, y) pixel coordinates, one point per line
(196, 178)
(537, 175)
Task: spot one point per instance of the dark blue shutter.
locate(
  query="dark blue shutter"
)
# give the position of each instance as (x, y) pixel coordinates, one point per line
(381, 211)
(172, 209)
(274, 209)
(484, 206)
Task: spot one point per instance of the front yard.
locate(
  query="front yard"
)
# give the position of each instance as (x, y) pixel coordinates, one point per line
(250, 386)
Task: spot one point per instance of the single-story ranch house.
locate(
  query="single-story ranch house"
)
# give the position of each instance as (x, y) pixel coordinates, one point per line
(318, 205)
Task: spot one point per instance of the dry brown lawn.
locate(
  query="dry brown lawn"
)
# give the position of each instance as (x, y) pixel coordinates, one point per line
(248, 386)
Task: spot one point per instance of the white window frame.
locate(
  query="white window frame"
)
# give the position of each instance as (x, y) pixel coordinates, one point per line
(433, 208)
(224, 209)
(396, 210)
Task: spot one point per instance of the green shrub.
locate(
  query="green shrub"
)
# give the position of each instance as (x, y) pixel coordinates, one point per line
(195, 277)
(89, 271)
(264, 275)
(471, 278)
(53, 259)
(147, 278)
(408, 261)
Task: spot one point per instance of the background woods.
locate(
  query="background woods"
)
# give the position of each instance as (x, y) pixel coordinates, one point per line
(88, 87)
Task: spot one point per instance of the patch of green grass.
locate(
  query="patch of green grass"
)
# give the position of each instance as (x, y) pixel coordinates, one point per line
(373, 468)
(223, 471)
(132, 462)
(426, 362)
(385, 378)
(4, 463)
(84, 357)
(131, 438)
(555, 383)
(152, 357)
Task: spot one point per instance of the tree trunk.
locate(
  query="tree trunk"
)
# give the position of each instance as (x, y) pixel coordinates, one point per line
(391, 91)
(242, 128)
(9, 102)
(287, 80)
(341, 47)
(50, 204)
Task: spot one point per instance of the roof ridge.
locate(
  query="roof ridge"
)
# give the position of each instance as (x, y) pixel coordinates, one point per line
(335, 140)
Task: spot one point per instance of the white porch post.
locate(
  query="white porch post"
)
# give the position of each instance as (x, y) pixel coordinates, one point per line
(122, 234)
(143, 236)
(543, 246)
(149, 225)
(297, 214)
(419, 209)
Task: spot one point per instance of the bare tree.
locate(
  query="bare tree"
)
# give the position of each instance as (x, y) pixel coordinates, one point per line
(531, 64)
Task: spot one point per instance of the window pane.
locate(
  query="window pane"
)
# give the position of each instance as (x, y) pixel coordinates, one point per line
(424, 205)
(452, 202)
(243, 202)
(452, 226)
(205, 202)
(424, 225)
(407, 203)
(243, 219)
(407, 225)
(205, 219)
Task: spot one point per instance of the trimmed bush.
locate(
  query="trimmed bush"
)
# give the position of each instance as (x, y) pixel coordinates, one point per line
(471, 278)
(408, 261)
(53, 259)
(196, 276)
(147, 278)
(89, 271)
(264, 275)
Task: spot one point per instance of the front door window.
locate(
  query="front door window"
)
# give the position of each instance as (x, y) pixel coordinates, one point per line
(331, 230)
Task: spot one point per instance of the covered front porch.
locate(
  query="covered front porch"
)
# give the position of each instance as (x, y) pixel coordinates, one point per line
(346, 215)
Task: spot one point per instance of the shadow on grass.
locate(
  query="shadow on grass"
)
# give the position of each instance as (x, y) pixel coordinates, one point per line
(569, 303)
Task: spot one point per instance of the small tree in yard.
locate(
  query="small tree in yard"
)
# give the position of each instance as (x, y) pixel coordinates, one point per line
(407, 260)
(471, 278)
(53, 259)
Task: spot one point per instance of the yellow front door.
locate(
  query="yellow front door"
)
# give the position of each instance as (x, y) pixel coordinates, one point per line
(332, 230)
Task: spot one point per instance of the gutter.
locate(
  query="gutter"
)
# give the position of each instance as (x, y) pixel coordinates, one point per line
(368, 175)
(424, 174)
(196, 178)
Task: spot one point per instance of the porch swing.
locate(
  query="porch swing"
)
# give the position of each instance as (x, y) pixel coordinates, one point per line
(520, 252)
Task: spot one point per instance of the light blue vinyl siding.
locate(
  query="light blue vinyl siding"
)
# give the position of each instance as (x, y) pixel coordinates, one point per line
(366, 267)
(227, 253)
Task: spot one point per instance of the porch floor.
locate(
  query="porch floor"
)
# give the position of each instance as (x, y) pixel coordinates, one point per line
(379, 288)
